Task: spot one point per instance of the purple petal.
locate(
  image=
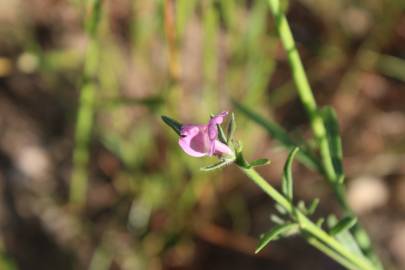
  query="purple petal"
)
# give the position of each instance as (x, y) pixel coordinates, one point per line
(201, 140)
(212, 131)
(212, 148)
(212, 125)
(189, 130)
(194, 140)
(218, 119)
(221, 149)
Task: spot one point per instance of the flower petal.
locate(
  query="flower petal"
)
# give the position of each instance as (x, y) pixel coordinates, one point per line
(212, 148)
(212, 131)
(194, 140)
(219, 118)
(202, 140)
(212, 125)
(189, 130)
(221, 149)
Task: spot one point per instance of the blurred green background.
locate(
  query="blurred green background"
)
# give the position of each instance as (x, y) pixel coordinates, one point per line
(90, 177)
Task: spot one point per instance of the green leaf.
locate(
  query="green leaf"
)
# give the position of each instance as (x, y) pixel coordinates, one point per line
(343, 225)
(176, 126)
(259, 162)
(215, 166)
(335, 144)
(312, 207)
(276, 219)
(320, 222)
(221, 134)
(347, 239)
(230, 131)
(343, 235)
(301, 206)
(287, 182)
(274, 233)
(305, 156)
(240, 159)
(280, 209)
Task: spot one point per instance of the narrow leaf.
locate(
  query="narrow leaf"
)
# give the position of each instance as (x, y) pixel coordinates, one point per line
(230, 131)
(274, 233)
(344, 236)
(259, 162)
(240, 159)
(347, 239)
(320, 222)
(280, 209)
(343, 225)
(305, 156)
(176, 126)
(221, 134)
(335, 144)
(301, 206)
(215, 166)
(287, 182)
(276, 219)
(312, 207)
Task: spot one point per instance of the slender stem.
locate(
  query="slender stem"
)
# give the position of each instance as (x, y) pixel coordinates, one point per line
(307, 225)
(84, 123)
(303, 87)
(307, 98)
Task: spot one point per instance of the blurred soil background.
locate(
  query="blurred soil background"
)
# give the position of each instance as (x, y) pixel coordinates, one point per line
(147, 205)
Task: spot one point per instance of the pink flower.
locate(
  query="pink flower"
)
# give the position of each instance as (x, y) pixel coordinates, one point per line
(202, 140)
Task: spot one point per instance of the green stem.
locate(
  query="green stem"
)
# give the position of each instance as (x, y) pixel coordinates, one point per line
(303, 87)
(85, 115)
(318, 127)
(307, 225)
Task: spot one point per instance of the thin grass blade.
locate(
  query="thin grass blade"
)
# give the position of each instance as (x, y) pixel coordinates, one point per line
(278, 133)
